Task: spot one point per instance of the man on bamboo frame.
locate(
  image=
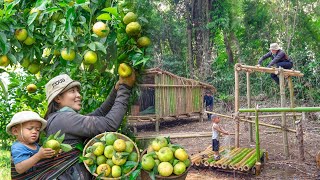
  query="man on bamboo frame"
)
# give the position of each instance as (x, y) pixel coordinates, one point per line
(279, 58)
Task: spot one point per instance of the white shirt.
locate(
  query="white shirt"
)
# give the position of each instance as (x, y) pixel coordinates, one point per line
(215, 133)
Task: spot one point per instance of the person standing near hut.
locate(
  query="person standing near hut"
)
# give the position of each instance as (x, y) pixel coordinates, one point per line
(208, 102)
(279, 58)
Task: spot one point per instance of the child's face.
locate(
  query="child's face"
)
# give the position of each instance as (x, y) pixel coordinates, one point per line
(216, 119)
(30, 132)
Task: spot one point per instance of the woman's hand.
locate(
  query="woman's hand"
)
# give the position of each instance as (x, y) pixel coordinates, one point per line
(129, 81)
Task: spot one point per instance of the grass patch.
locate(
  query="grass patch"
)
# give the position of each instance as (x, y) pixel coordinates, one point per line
(5, 172)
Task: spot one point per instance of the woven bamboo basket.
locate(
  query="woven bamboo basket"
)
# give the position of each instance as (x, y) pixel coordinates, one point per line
(119, 136)
(145, 174)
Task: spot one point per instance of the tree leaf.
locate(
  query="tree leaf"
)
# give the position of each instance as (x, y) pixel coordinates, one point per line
(12, 58)
(93, 168)
(3, 43)
(53, 9)
(134, 175)
(31, 18)
(69, 20)
(57, 134)
(60, 138)
(50, 137)
(66, 147)
(4, 90)
(101, 47)
(79, 146)
(105, 17)
(111, 10)
(92, 46)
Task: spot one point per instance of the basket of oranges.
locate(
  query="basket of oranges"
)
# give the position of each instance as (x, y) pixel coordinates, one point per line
(111, 155)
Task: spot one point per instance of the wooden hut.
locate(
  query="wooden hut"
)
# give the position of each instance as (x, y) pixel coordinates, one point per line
(164, 95)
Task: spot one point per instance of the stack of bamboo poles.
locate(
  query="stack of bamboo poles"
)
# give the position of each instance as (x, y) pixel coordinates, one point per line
(241, 159)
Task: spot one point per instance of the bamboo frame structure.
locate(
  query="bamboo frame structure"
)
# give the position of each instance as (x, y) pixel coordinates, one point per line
(173, 96)
(282, 74)
(249, 121)
(299, 130)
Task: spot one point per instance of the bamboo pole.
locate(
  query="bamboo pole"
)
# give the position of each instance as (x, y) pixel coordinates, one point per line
(299, 136)
(232, 164)
(249, 105)
(158, 102)
(249, 164)
(287, 72)
(283, 117)
(240, 153)
(260, 123)
(283, 109)
(224, 159)
(236, 104)
(241, 163)
(290, 85)
(275, 115)
(257, 136)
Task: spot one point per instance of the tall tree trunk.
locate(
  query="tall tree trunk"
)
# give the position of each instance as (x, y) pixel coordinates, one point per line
(235, 41)
(228, 47)
(205, 69)
(189, 8)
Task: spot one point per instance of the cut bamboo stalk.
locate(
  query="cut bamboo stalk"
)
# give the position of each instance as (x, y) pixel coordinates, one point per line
(250, 164)
(236, 104)
(241, 163)
(226, 163)
(222, 160)
(239, 158)
(197, 163)
(206, 163)
(249, 105)
(257, 136)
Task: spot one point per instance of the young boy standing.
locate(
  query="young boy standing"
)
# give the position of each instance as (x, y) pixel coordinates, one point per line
(216, 130)
(26, 152)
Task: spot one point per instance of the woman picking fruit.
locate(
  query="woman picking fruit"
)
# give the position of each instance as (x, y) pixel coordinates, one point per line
(64, 102)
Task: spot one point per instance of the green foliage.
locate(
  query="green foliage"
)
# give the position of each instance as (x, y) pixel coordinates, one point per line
(56, 26)
(5, 164)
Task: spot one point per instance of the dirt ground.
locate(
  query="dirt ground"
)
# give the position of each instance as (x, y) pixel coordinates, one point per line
(277, 167)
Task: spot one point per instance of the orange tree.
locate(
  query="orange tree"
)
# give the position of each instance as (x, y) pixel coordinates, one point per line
(85, 39)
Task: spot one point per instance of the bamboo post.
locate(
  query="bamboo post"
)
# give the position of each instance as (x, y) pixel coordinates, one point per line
(158, 92)
(299, 136)
(257, 136)
(283, 117)
(290, 85)
(296, 109)
(249, 105)
(236, 104)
